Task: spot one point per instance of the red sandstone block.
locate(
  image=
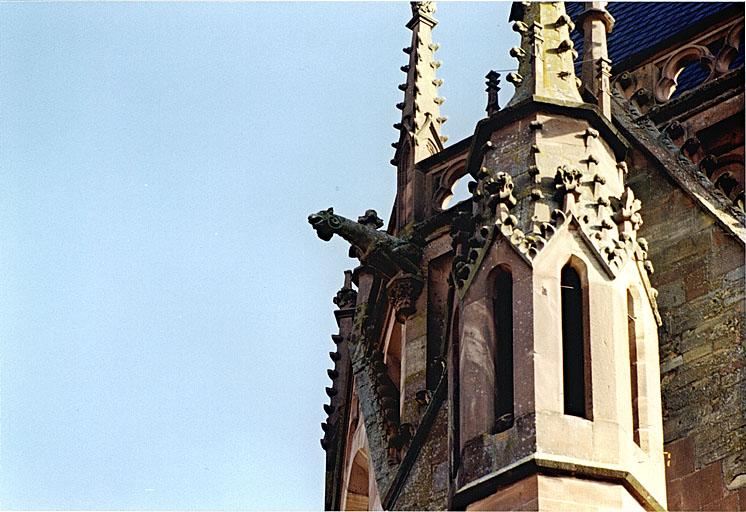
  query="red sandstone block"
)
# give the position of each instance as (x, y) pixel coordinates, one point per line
(673, 492)
(681, 458)
(711, 483)
(730, 503)
(697, 283)
(691, 494)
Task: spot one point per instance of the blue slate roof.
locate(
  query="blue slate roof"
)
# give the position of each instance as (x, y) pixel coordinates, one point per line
(645, 27)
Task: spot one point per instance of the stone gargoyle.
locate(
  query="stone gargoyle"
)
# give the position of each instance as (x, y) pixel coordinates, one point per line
(386, 253)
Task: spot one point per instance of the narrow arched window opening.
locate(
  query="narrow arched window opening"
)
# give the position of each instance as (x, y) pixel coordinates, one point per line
(502, 307)
(455, 376)
(633, 367)
(439, 299)
(356, 497)
(574, 354)
(393, 354)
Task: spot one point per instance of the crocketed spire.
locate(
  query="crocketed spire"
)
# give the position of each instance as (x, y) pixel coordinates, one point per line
(420, 125)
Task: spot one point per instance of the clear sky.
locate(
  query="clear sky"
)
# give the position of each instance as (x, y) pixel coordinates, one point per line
(165, 307)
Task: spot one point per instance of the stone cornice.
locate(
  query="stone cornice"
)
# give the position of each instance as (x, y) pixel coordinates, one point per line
(546, 464)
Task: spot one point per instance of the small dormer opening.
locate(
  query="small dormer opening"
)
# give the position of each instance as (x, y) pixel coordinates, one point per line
(502, 309)
(575, 348)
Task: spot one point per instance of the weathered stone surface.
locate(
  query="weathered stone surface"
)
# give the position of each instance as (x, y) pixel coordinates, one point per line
(427, 485)
(700, 279)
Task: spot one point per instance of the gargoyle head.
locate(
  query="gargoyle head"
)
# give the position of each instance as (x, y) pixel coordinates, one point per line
(325, 222)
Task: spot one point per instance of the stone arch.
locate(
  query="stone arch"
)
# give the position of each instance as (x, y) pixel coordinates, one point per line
(729, 51)
(447, 184)
(358, 483)
(672, 68)
(728, 175)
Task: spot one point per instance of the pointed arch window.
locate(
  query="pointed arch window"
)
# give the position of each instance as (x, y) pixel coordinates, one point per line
(356, 497)
(575, 348)
(393, 353)
(502, 309)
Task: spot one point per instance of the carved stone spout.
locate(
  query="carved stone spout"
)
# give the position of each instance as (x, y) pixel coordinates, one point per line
(387, 254)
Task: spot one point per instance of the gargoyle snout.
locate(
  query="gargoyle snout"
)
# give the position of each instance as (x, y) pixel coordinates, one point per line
(318, 223)
(315, 219)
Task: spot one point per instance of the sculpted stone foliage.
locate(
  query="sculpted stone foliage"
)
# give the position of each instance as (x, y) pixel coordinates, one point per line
(609, 223)
(420, 8)
(628, 214)
(500, 190)
(403, 291)
(567, 179)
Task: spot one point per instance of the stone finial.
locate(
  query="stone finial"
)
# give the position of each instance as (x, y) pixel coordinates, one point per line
(628, 215)
(567, 182)
(346, 296)
(493, 83)
(546, 56)
(423, 8)
(596, 71)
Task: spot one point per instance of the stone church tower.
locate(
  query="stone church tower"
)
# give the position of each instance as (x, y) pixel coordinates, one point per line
(511, 352)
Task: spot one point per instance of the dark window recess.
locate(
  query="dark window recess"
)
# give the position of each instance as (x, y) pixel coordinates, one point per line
(738, 60)
(632, 335)
(503, 317)
(690, 77)
(438, 293)
(573, 346)
(455, 411)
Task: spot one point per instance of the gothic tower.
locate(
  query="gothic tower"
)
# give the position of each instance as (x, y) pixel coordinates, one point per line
(503, 353)
(557, 392)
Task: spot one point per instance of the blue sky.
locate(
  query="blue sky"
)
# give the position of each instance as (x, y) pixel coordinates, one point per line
(166, 309)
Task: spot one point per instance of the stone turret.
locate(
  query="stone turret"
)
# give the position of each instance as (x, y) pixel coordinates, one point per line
(558, 383)
(420, 125)
(596, 23)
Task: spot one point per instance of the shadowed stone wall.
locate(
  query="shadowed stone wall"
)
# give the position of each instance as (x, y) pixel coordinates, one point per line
(699, 274)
